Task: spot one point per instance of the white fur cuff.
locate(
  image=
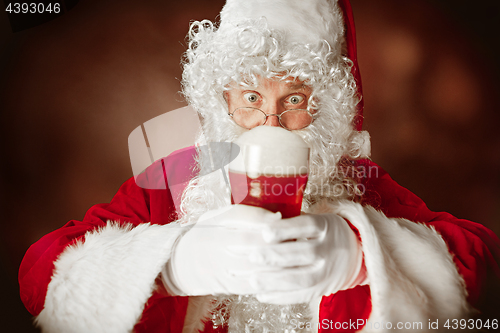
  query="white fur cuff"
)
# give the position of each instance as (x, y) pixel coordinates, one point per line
(102, 284)
(410, 270)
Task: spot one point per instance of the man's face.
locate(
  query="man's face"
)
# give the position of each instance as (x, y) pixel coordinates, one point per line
(273, 97)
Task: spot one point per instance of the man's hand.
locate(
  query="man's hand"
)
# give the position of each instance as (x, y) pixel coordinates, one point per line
(333, 253)
(205, 261)
(248, 250)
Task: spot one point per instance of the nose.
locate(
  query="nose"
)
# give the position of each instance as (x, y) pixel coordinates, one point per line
(273, 109)
(272, 121)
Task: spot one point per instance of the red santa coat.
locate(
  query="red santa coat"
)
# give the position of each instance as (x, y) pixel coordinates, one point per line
(94, 276)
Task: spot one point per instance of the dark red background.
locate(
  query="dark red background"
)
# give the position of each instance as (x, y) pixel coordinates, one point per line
(74, 88)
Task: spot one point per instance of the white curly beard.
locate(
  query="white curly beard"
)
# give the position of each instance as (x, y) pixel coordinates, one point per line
(247, 314)
(210, 191)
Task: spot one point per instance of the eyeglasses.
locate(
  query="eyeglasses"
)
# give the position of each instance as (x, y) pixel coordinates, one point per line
(293, 119)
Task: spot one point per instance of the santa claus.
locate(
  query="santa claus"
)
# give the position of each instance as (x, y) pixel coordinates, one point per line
(366, 254)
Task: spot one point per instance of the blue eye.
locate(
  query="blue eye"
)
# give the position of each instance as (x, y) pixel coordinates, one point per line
(251, 97)
(295, 99)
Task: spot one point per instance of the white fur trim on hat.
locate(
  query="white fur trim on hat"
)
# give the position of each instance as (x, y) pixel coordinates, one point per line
(102, 284)
(305, 22)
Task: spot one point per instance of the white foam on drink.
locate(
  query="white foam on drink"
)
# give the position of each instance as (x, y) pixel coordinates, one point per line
(268, 150)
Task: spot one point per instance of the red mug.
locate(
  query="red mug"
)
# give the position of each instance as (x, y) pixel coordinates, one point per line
(270, 170)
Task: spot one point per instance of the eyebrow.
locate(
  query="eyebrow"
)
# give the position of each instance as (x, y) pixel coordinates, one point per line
(297, 86)
(292, 86)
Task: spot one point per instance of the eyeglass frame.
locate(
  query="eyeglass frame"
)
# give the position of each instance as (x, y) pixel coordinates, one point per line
(313, 118)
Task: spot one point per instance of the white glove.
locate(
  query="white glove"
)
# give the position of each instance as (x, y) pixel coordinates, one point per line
(223, 254)
(331, 247)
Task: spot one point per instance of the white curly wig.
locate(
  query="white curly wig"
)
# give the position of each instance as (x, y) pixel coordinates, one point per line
(248, 45)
